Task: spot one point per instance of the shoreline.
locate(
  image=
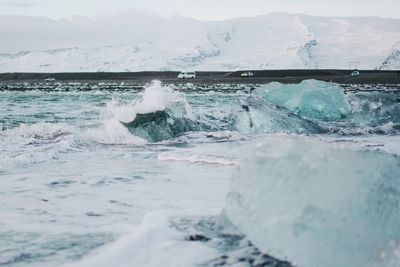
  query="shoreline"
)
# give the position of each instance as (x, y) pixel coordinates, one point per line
(205, 77)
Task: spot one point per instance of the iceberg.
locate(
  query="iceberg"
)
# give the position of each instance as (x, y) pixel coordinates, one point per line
(310, 98)
(317, 204)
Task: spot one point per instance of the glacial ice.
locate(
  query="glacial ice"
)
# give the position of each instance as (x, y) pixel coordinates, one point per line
(259, 116)
(310, 98)
(318, 204)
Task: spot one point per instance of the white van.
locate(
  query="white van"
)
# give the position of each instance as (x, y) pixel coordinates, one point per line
(187, 75)
(247, 74)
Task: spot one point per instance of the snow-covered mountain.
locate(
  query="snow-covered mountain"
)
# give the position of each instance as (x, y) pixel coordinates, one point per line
(274, 41)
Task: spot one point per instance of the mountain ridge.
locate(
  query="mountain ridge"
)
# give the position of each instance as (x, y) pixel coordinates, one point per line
(272, 41)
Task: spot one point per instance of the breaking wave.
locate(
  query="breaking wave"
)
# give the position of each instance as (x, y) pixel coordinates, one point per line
(294, 196)
(161, 113)
(311, 107)
(33, 143)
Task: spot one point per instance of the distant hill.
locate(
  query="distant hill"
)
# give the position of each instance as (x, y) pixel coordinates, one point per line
(149, 42)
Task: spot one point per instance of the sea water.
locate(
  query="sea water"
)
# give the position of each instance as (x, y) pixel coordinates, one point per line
(199, 175)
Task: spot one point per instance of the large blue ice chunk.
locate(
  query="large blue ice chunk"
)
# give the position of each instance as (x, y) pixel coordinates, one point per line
(317, 204)
(310, 98)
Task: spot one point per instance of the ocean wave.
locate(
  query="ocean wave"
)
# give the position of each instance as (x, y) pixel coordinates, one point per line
(39, 142)
(374, 109)
(311, 107)
(109, 132)
(34, 143)
(161, 114)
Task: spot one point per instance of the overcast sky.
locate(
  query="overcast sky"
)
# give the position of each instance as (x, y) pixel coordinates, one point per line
(202, 9)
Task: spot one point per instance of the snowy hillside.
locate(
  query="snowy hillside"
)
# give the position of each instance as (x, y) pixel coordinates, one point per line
(274, 41)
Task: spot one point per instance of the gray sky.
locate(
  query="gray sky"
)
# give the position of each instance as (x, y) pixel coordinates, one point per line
(202, 9)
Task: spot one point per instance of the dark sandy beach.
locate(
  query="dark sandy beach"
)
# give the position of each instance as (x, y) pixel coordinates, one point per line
(260, 76)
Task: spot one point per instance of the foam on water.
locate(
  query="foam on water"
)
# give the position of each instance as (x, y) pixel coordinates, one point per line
(318, 204)
(81, 168)
(375, 109)
(155, 97)
(206, 159)
(28, 144)
(40, 142)
(111, 132)
(165, 246)
(162, 113)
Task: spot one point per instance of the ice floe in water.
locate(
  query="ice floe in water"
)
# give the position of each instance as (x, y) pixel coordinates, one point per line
(310, 98)
(317, 204)
(81, 168)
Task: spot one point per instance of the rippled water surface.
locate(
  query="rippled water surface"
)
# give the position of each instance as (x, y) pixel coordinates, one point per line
(134, 175)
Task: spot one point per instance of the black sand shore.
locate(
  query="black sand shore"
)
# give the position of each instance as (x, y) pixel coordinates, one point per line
(260, 76)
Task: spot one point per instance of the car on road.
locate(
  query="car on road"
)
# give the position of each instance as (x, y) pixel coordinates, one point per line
(355, 73)
(187, 75)
(247, 74)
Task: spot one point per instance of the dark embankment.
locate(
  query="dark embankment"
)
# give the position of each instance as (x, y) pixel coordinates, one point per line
(260, 76)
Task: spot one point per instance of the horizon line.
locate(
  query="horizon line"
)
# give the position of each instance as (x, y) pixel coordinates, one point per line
(178, 15)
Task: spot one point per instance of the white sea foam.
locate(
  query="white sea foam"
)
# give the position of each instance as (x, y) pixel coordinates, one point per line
(31, 143)
(111, 132)
(72, 185)
(155, 97)
(121, 112)
(153, 244)
(43, 141)
(206, 159)
(42, 130)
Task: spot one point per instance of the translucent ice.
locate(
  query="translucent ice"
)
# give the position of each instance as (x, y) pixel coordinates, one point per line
(310, 98)
(317, 204)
